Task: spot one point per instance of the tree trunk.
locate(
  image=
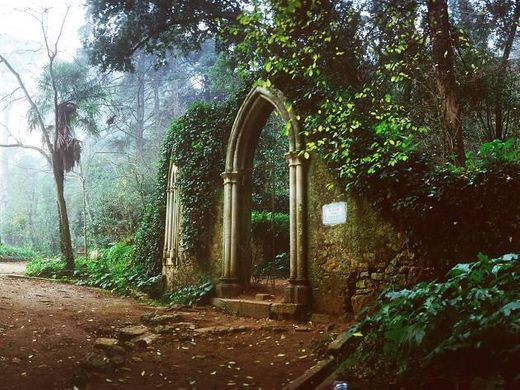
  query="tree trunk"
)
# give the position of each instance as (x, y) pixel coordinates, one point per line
(501, 72)
(139, 128)
(442, 52)
(65, 238)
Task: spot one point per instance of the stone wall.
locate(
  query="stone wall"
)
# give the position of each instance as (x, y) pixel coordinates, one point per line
(192, 270)
(351, 263)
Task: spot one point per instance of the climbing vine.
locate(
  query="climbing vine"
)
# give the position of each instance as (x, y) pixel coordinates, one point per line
(354, 107)
(195, 143)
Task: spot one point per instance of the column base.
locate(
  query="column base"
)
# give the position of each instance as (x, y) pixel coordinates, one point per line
(298, 292)
(229, 288)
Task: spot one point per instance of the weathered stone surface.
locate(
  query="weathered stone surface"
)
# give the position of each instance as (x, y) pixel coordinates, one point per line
(222, 329)
(254, 309)
(360, 301)
(337, 346)
(104, 343)
(364, 274)
(118, 360)
(160, 319)
(164, 329)
(361, 283)
(364, 291)
(96, 361)
(377, 276)
(285, 308)
(145, 340)
(313, 376)
(399, 279)
(110, 346)
(131, 332)
(264, 297)
(321, 318)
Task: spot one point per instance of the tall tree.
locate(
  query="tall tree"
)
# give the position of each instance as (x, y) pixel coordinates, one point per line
(119, 28)
(442, 53)
(61, 96)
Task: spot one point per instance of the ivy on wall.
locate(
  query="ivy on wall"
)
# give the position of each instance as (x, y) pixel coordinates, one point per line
(195, 143)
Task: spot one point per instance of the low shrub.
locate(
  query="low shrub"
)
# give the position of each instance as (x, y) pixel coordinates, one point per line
(462, 330)
(52, 267)
(269, 234)
(114, 269)
(10, 253)
(190, 295)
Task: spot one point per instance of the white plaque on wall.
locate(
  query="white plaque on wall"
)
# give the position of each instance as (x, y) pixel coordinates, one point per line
(334, 213)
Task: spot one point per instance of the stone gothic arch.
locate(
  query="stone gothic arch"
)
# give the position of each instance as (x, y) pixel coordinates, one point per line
(248, 125)
(172, 252)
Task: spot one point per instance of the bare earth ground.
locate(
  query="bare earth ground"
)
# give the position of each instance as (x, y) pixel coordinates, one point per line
(47, 329)
(12, 268)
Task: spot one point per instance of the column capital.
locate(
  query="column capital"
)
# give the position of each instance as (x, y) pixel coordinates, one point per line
(231, 177)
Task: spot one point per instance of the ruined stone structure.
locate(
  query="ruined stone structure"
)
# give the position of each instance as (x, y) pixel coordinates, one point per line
(334, 268)
(172, 254)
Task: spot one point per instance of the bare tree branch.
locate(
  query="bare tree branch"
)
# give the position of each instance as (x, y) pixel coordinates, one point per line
(29, 147)
(30, 100)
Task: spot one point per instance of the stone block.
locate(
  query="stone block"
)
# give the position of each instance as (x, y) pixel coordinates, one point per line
(105, 343)
(285, 311)
(364, 274)
(361, 283)
(336, 347)
(254, 309)
(264, 297)
(364, 291)
(377, 276)
(131, 332)
(145, 340)
(360, 301)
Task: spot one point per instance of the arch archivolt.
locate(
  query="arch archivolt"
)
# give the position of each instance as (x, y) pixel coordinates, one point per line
(250, 120)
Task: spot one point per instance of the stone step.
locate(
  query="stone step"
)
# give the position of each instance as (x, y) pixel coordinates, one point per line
(260, 309)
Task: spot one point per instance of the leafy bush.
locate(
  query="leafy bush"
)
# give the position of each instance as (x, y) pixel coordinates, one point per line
(195, 142)
(452, 331)
(474, 209)
(9, 253)
(191, 295)
(115, 270)
(52, 267)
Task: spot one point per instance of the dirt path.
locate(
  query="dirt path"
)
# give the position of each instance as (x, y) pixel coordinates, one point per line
(47, 329)
(13, 267)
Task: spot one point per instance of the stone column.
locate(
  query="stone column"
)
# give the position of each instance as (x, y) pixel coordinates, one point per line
(229, 285)
(298, 290)
(168, 221)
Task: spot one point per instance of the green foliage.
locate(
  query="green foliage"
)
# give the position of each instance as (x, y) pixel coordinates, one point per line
(427, 335)
(496, 152)
(118, 27)
(366, 109)
(278, 267)
(53, 267)
(198, 151)
(266, 225)
(113, 269)
(10, 253)
(195, 144)
(472, 210)
(191, 295)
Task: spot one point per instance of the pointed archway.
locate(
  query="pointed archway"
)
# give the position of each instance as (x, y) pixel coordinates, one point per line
(248, 125)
